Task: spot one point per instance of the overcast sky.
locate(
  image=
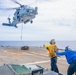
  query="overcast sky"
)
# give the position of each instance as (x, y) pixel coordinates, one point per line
(56, 19)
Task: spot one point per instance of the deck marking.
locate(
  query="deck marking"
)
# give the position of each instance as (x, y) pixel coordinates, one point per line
(39, 62)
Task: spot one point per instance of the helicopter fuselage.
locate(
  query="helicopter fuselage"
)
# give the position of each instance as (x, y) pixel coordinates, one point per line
(23, 15)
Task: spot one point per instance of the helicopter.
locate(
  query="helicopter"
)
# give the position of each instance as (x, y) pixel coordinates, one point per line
(23, 14)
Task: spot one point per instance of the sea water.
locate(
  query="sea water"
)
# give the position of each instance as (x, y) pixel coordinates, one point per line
(60, 44)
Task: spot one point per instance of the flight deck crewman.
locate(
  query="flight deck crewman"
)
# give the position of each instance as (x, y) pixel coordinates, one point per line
(71, 59)
(53, 55)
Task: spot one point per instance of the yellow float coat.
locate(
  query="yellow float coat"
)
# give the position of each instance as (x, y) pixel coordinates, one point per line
(51, 49)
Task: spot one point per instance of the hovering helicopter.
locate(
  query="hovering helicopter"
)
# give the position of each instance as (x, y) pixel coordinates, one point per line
(23, 14)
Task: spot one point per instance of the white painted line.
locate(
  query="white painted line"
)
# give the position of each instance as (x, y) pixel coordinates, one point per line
(40, 62)
(39, 54)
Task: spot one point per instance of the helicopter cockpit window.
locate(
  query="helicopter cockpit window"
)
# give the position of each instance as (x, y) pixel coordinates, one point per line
(31, 10)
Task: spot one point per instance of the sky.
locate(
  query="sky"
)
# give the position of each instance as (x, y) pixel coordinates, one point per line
(56, 19)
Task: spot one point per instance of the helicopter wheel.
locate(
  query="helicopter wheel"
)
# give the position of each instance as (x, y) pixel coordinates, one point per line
(31, 21)
(16, 26)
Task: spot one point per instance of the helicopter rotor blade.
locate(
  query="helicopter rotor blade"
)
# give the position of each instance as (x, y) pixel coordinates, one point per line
(17, 2)
(7, 8)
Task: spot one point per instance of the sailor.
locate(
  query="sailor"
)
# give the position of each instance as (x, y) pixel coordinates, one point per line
(71, 59)
(52, 55)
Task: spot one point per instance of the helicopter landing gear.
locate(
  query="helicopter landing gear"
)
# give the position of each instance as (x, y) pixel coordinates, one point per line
(15, 26)
(31, 21)
(26, 21)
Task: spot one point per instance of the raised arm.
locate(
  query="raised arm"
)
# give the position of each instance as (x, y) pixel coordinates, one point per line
(47, 47)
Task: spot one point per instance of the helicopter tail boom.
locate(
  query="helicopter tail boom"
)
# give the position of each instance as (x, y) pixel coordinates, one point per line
(6, 24)
(9, 24)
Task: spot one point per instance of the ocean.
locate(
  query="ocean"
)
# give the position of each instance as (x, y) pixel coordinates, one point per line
(60, 44)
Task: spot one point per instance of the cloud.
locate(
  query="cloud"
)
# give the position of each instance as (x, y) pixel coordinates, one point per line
(55, 19)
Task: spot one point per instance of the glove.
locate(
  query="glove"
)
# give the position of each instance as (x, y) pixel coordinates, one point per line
(44, 46)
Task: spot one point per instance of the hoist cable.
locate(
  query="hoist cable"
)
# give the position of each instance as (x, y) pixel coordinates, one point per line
(22, 33)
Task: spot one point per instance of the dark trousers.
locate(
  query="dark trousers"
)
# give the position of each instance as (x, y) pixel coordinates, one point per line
(72, 68)
(54, 64)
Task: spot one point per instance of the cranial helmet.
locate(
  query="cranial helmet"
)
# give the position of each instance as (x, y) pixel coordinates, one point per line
(66, 48)
(52, 41)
